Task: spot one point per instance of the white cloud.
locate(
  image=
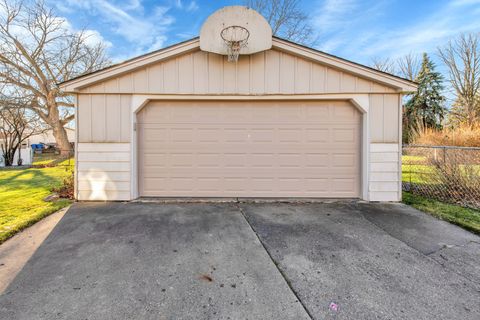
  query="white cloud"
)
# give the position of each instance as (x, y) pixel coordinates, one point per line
(186, 35)
(333, 13)
(354, 29)
(336, 20)
(426, 35)
(128, 20)
(158, 43)
(191, 6)
(464, 2)
(93, 37)
(133, 5)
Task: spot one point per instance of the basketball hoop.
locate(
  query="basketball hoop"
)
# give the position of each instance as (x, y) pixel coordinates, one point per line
(235, 38)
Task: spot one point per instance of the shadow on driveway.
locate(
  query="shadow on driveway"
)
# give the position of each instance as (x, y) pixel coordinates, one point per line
(248, 261)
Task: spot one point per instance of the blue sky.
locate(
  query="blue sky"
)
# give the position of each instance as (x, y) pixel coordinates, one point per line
(352, 29)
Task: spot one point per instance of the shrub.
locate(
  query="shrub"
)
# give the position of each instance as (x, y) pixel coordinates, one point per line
(464, 136)
(459, 177)
(66, 190)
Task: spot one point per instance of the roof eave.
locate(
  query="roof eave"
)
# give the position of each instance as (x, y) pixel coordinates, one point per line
(400, 84)
(74, 85)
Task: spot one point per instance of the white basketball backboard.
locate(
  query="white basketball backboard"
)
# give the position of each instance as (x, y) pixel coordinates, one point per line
(260, 33)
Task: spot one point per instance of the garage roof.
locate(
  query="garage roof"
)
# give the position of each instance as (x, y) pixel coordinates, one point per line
(86, 80)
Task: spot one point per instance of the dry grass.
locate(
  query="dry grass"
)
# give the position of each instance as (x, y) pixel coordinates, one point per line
(464, 136)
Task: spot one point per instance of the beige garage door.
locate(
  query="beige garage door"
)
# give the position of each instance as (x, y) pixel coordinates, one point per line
(249, 149)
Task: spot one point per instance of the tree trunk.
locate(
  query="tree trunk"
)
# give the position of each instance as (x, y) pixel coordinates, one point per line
(8, 156)
(61, 139)
(59, 132)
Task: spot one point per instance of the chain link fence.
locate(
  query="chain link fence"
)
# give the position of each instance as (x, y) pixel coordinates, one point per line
(445, 173)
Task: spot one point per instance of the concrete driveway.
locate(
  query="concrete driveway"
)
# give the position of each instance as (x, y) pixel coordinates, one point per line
(248, 261)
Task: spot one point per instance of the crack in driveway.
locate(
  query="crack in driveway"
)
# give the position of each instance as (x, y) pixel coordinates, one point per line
(449, 246)
(140, 260)
(284, 276)
(429, 255)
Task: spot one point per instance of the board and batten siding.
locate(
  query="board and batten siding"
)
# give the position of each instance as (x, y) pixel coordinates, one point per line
(104, 118)
(383, 118)
(103, 148)
(269, 72)
(385, 165)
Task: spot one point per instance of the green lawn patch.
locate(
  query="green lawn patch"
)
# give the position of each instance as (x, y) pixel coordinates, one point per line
(463, 217)
(51, 159)
(417, 173)
(21, 197)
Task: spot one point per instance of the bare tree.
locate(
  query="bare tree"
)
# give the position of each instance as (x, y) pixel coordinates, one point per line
(286, 18)
(409, 66)
(38, 50)
(462, 57)
(16, 126)
(383, 64)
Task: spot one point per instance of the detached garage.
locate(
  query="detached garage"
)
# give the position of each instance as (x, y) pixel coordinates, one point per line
(238, 113)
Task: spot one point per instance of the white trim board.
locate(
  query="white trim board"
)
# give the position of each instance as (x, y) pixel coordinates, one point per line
(361, 101)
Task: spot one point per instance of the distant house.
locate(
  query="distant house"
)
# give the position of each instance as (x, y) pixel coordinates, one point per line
(48, 138)
(25, 153)
(26, 150)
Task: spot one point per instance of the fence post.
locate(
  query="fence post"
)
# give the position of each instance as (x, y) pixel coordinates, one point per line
(456, 180)
(409, 175)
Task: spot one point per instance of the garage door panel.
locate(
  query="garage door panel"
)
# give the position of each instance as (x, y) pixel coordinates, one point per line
(347, 160)
(259, 148)
(152, 134)
(155, 159)
(234, 188)
(337, 163)
(253, 149)
(313, 135)
(344, 184)
(317, 113)
(344, 135)
(345, 113)
(260, 172)
(317, 185)
(208, 160)
(207, 135)
(208, 184)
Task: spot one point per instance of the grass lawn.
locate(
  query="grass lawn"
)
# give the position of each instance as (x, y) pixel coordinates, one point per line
(21, 197)
(46, 159)
(463, 217)
(415, 170)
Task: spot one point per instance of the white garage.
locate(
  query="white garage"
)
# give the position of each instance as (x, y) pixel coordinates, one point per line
(279, 121)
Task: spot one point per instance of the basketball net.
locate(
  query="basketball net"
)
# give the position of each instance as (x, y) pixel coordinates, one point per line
(235, 38)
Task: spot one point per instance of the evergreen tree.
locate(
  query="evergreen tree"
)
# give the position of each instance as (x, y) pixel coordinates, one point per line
(425, 108)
